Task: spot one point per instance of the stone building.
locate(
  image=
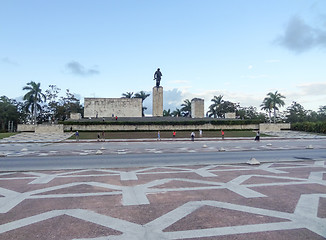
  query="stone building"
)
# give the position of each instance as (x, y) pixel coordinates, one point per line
(108, 107)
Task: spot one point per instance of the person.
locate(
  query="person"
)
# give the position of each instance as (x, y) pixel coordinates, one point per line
(159, 136)
(157, 77)
(222, 133)
(257, 138)
(77, 135)
(200, 133)
(116, 118)
(98, 137)
(192, 136)
(174, 133)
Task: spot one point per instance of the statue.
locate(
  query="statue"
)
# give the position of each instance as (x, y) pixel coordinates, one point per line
(157, 77)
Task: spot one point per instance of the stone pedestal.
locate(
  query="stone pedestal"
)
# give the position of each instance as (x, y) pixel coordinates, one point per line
(197, 108)
(157, 101)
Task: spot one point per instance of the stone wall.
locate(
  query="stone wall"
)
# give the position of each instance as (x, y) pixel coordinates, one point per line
(40, 128)
(197, 108)
(49, 128)
(105, 107)
(230, 115)
(26, 128)
(75, 116)
(158, 127)
(271, 127)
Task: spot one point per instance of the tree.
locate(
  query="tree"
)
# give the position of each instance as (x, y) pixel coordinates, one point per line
(296, 113)
(249, 113)
(127, 95)
(322, 113)
(274, 100)
(186, 108)
(8, 112)
(67, 105)
(33, 97)
(143, 96)
(176, 113)
(267, 106)
(51, 109)
(214, 108)
(167, 113)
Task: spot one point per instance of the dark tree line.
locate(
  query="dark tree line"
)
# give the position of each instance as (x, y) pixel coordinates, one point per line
(38, 106)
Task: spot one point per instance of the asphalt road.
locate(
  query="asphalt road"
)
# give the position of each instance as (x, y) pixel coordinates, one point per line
(154, 159)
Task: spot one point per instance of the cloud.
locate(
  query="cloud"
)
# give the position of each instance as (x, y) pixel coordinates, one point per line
(313, 89)
(250, 67)
(299, 36)
(7, 60)
(76, 68)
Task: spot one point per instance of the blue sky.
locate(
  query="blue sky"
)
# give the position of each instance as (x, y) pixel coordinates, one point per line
(239, 49)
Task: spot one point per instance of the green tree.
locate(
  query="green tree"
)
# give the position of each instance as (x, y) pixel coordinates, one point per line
(33, 98)
(177, 112)
(275, 101)
(249, 113)
(167, 113)
(296, 113)
(68, 104)
(215, 107)
(267, 106)
(322, 113)
(186, 108)
(52, 96)
(8, 112)
(127, 95)
(143, 96)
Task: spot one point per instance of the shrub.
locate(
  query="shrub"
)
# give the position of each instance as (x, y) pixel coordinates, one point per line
(317, 127)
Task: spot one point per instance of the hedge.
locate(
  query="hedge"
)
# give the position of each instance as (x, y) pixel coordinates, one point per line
(317, 127)
(196, 122)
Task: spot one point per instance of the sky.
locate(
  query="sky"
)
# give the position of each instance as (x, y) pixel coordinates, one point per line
(241, 49)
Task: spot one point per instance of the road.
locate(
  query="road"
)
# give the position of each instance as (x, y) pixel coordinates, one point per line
(155, 159)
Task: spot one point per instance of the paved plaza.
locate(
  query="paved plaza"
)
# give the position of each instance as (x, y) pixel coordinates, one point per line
(285, 200)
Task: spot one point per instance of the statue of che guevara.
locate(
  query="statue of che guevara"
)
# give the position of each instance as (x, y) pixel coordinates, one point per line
(157, 77)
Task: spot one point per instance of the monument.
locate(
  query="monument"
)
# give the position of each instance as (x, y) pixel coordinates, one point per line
(197, 108)
(108, 107)
(157, 95)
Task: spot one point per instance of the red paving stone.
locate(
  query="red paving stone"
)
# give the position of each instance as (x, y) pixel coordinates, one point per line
(159, 200)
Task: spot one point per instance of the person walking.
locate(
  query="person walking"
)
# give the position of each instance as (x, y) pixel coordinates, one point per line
(174, 133)
(77, 135)
(159, 136)
(222, 133)
(192, 136)
(200, 133)
(257, 138)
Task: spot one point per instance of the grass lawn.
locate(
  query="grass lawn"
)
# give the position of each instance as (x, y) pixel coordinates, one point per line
(165, 134)
(4, 135)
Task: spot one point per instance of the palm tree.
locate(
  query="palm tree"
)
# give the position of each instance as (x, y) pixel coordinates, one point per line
(176, 113)
(214, 108)
(127, 95)
(267, 106)
(33, 97)
(167, 113)
(275, 99)
(186, 108)
(143, 96)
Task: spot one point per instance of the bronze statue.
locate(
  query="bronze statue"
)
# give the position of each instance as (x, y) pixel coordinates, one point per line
(157, 77)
